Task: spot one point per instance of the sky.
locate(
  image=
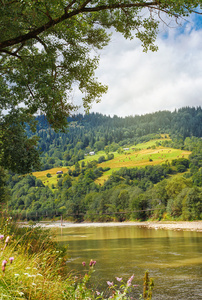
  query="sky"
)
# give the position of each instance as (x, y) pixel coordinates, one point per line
(140, 83)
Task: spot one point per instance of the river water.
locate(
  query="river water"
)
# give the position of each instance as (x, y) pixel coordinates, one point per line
(173, 258)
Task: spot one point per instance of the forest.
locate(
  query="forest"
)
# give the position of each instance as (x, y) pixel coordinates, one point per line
(170, 190)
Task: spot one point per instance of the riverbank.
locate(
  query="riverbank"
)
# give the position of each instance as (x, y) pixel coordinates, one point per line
(166, 225)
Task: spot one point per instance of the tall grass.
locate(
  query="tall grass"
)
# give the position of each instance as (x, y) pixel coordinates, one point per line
(34, 268)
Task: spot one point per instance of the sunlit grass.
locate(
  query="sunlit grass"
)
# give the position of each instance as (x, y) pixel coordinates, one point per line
(49, 181)
(32, 263)
(34, 268)
(140, 155)
(141, 158)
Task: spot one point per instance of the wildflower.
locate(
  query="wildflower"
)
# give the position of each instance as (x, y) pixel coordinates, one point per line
(92, 263)
(4, 262)
(110, 283)
(6, 242)
(130, 280)
(7, 239)
(119, 279)
(11, 259)
(98, 293)
(1, 236)
(84, 263)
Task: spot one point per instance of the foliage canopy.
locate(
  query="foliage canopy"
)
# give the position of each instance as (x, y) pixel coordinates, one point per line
(49, 47)
(46, 47)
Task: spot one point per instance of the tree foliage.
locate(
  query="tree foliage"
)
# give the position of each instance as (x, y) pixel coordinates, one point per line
(17, 152)
(46, 47)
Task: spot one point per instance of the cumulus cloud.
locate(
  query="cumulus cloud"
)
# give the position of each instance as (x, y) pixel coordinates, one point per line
(140, 83)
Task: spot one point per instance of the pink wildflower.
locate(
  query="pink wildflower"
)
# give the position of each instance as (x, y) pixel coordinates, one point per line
(84, 263)
(110, 283)
(11, 259)
(92, 263)
(1, 236)
(130, 280)
(4, 262)
(119, 279)
(98, 293)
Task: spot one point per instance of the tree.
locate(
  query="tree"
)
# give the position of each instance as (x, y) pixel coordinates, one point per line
(46, 48)
(17, 152)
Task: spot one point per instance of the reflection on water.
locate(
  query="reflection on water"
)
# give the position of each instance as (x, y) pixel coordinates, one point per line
(173, 258)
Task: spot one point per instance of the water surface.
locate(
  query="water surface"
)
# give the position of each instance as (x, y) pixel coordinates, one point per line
(173, 258)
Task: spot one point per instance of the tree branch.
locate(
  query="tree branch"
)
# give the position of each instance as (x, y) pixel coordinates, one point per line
(82, 9)
(30, 91)
(42, 43)
(17, 50)
(11, 53)
(69, 5)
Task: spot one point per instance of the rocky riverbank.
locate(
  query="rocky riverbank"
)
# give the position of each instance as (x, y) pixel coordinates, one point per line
(166, 225)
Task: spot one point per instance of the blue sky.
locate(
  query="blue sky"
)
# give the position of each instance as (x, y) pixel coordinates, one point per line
(141, 83)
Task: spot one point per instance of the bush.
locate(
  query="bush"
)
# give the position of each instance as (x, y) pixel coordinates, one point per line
(101, 159)
(110, 156)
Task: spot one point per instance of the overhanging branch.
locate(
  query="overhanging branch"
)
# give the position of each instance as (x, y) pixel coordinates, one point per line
(82, 9)
(11, 53)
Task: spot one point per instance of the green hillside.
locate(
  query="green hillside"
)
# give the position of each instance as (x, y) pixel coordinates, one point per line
(140, 155)
(142, 158)
(135, 170)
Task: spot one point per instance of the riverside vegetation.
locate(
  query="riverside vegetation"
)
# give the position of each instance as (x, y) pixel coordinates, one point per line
(33, 267)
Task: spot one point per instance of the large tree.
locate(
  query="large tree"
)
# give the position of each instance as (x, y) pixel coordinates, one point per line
(48, 47)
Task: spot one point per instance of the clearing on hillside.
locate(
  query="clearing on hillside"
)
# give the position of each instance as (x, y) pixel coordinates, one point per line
(146, 154)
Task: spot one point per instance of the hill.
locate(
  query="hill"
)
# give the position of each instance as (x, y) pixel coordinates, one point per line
(140, 167)
(140, 155)
(97, 132)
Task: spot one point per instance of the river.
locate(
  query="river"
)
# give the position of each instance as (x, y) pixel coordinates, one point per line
(173, 258)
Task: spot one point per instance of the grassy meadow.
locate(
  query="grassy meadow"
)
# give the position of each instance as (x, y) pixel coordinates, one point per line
(42, 175)
(140, 155)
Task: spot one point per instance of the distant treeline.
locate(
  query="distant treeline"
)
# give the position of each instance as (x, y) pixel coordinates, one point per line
(95, 132)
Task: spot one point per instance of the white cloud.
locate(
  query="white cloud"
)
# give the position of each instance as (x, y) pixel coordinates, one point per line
(140, 83)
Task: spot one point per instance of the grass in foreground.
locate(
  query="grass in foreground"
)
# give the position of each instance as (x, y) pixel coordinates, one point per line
(33, 267)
